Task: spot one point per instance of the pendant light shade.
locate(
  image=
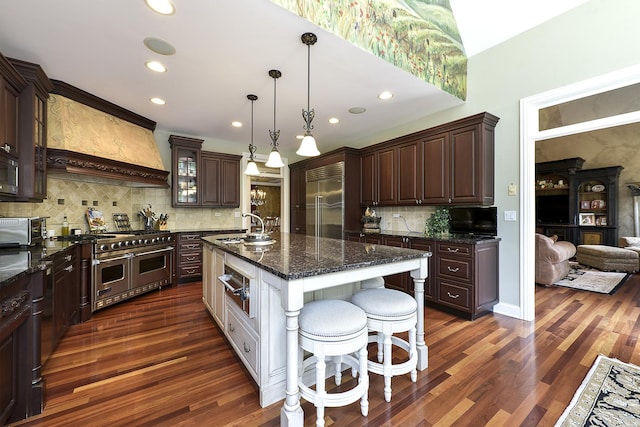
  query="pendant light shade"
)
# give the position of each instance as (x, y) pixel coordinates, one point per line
(252, 168)
(274, 160)
(308, 147)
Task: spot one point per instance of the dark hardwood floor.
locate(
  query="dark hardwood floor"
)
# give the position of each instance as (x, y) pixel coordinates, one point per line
(159, 360)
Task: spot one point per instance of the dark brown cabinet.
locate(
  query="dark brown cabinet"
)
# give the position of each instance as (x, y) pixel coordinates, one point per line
(466, 276)
(451, 164)
(462, 279)
(577, 205)
(378, 179)
(458, 161)
(297, 201)
(11, 84)
(66, 292)
(33, 132)
(202, 178)
(189, 256)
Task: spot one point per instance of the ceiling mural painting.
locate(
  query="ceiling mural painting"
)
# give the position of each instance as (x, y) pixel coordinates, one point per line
(417, 36)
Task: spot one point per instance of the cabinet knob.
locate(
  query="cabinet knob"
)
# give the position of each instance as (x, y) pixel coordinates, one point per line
(247, 349)
(450, 200)
(6, 147)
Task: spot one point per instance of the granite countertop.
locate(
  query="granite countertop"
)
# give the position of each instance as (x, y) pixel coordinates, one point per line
(18, 262)
(452, 238)
(295, 256)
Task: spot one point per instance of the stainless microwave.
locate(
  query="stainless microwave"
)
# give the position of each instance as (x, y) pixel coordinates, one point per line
(22, 231)
(8, 176)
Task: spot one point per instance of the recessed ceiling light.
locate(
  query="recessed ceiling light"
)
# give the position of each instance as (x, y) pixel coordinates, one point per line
(385, 95)
(334, 120)
(164, 7)
(357, 110)
(159, 46)
(236, 124)
(155, 66)
(158, 101)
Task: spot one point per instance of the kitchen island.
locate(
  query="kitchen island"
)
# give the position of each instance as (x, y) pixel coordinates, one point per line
(260, 318)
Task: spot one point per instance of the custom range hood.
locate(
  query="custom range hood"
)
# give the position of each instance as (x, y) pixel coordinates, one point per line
(94, 140)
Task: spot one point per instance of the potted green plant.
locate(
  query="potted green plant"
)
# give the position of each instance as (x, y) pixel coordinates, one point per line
(438, 222)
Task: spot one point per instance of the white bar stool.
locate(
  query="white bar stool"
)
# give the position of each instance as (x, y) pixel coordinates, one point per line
(333, 329)
(388, 312)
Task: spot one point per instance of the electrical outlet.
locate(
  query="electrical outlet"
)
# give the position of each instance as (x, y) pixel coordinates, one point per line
(217, 214)
(237, 214)
(396, 215)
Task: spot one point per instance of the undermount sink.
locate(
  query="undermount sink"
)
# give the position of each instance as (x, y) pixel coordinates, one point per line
(258, 239)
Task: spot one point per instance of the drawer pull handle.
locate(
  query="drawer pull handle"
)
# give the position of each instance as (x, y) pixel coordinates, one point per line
(68, 258)
(450, 295)
(190, 271)
(247, 349)
(453, 270)
(453, 250)
(191, 258)
(69, 268)
(191, 246)
(231, 328)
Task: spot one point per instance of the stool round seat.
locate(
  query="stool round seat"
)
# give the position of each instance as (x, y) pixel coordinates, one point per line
(335, 330)
(389, 312)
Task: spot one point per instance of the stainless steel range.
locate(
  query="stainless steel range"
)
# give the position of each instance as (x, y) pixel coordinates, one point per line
(126, 265)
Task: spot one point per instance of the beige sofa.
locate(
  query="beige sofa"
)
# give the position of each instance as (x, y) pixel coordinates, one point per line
(552, 259)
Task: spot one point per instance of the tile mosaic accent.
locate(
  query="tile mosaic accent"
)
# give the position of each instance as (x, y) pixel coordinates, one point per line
(129, 200)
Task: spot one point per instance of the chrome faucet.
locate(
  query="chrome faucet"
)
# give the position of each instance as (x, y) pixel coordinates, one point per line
(255, 216)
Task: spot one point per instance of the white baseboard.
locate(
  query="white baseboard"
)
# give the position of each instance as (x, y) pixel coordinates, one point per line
(508, 310)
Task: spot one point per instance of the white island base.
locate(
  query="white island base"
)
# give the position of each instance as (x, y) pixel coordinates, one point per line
(265, 333)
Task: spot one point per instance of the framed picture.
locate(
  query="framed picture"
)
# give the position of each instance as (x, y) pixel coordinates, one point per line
(585, 204)
(601, 220)
(587, 219)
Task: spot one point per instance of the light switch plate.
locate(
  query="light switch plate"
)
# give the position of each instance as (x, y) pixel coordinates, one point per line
(509, 215)
(512, 190)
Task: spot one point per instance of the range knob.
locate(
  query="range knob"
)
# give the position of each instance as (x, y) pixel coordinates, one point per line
(115, 245)
(103, 247)
(147, 241)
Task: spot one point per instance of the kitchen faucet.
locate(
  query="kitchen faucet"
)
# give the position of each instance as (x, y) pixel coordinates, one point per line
(255, 216)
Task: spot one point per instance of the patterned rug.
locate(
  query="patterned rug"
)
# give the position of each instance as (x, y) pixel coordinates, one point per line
(608, 396)
(591, 279)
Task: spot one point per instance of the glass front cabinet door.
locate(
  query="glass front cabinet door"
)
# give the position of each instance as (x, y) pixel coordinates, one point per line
(185, 155)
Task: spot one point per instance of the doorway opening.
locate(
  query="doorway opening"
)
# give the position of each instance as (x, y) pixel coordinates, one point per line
(532, 130)
(266, 195)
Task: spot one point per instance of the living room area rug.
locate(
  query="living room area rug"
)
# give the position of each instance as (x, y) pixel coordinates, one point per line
(608, 396)
(591, 279)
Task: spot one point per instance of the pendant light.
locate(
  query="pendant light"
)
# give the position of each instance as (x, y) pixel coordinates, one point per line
(308, 146)
(252, 168)
(274, 160)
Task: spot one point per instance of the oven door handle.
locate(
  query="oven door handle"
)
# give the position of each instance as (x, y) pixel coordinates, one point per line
(101, 261)
(241, 291)
(168, 248)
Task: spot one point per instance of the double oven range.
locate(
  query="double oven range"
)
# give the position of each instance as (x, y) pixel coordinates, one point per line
(126, 265)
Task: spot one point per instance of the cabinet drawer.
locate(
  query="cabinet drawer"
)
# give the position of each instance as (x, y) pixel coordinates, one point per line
(454, 295)
(190, 257)
(241, 338)
(189, 237)
(191, 270)
(190, 247)
(453, 267)
(459, 249)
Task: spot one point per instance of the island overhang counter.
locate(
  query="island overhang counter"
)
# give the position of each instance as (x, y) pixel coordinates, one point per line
(292, 270)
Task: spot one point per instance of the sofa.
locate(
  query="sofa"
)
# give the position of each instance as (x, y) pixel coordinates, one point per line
(552, 259)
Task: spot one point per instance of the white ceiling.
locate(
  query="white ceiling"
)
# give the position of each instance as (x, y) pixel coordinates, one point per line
(224, 52)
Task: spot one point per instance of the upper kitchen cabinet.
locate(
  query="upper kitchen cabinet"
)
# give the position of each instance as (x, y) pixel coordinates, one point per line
(11, 84)
(378, 181)
(451, 164)
(33, 131)
(221, 184)
(201, 178)
(458, 162)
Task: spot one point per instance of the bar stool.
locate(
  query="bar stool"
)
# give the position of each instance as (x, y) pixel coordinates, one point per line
(388, 312)
(373, 283)
(333, 329)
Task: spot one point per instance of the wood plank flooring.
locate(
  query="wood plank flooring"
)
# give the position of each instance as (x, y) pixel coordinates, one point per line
(159, 360)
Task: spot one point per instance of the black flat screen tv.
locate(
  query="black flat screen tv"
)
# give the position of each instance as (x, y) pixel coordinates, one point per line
(474, 221)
